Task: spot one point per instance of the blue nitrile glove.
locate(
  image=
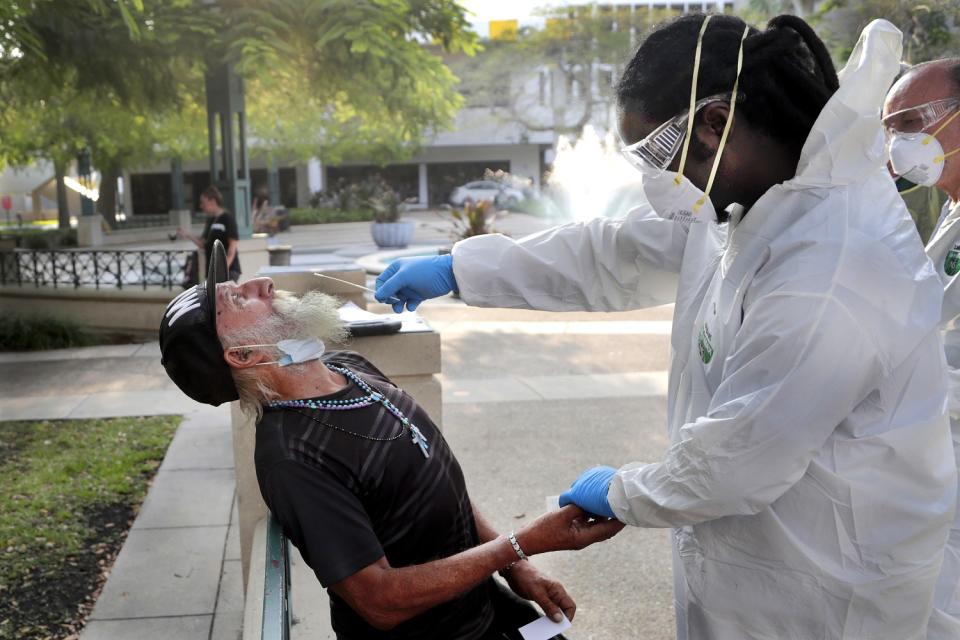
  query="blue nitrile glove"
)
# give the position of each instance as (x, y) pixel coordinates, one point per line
(589, 491)
(410, 281)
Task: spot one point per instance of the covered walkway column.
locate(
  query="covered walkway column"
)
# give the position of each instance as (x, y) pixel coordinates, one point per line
(423, 197)
(227, 131)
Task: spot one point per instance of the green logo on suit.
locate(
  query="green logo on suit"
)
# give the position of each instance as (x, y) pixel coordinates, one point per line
(703, 344)
(952, 263)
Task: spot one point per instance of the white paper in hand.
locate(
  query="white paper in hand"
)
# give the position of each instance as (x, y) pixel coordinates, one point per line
(544, 628)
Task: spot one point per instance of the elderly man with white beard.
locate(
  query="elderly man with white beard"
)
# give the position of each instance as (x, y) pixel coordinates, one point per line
(360, 478)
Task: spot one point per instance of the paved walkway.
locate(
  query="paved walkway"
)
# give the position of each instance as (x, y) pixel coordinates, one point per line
(530, 400)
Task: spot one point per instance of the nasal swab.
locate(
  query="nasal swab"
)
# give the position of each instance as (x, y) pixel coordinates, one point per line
(353, 284)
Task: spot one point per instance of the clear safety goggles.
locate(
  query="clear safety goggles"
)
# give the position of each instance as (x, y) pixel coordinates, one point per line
(919, 118)
(652, 155)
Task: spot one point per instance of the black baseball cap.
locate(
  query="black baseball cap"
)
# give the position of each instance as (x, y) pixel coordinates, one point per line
(190, 350)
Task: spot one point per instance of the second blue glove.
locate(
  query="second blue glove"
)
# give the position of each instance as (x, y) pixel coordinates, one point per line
(589, 491)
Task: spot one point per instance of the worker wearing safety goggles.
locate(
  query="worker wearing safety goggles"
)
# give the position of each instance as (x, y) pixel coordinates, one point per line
(921, 117)
(810, 480)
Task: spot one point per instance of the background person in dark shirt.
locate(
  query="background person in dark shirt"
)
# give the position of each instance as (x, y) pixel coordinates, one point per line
(358, 475)
(220, 225)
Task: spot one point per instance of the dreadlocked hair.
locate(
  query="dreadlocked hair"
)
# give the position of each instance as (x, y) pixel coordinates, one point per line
(786, 80)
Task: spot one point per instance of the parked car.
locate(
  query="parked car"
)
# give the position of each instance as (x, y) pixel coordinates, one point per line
(499, 194)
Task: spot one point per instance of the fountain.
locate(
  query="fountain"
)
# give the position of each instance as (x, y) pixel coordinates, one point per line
(590, 179)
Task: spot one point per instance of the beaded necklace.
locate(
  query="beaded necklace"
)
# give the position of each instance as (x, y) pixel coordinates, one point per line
(372, 397)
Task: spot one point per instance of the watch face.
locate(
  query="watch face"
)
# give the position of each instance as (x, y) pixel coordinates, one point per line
(951, 265)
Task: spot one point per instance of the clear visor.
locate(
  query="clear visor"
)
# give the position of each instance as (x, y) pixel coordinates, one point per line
(919, 118)
(652, 155)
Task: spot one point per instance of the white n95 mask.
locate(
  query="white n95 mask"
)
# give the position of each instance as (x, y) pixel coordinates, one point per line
(294, 351)
(674, 197)
(919, 156)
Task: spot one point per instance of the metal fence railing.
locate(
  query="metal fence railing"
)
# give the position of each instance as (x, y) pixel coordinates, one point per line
(96, 268)
(277, 609)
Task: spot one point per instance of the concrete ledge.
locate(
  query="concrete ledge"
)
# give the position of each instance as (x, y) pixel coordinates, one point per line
(400, 354)
(253, 255)
(253, 602)
(102, 309)
(309, 602)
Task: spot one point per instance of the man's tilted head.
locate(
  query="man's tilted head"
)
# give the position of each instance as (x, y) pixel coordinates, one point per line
(190, 351)
(214, 336)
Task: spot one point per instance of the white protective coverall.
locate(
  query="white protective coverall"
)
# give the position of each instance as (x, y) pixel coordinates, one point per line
(944, 252)
(810, 480)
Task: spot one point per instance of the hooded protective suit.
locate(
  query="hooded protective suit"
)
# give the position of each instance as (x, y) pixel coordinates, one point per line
(944, 252)
(810, 480)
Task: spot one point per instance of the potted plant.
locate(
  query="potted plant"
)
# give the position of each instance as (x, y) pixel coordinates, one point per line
(388, 230)
(474, 219)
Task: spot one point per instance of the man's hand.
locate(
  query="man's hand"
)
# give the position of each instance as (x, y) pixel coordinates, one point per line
(529, 583)
(570, 528)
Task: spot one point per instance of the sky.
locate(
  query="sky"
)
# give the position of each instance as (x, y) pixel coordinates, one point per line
(485, 10)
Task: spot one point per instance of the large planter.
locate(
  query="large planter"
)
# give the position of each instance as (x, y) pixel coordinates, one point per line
(392, 235)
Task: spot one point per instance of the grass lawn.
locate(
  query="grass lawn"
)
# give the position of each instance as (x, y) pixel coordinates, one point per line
(71, 490)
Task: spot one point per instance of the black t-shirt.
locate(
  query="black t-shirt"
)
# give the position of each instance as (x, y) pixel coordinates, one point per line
(346, 501)
(222, 227)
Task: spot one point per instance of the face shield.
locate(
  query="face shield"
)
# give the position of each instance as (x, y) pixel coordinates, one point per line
(919, 118)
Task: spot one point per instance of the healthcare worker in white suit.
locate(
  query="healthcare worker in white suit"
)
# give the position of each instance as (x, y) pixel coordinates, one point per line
(922, 121)
(809, 482)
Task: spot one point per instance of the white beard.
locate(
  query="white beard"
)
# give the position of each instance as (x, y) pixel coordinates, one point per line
(312, 315)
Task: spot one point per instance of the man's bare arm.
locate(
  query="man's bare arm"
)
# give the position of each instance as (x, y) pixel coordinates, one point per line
(527, 581)
(385, 596)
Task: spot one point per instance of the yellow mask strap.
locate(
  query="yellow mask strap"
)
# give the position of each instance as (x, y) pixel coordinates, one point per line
(693, 100)
(944, 156)
(948, 121)
(939, 159)
(726, 128)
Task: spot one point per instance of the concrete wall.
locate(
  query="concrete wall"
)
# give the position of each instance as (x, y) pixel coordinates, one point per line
(105, 309)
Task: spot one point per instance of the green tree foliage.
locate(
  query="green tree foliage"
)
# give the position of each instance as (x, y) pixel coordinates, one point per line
(91, 74)
(344, 78)
(559, 77)
(931, 28)
(132, 49)
(124, 78)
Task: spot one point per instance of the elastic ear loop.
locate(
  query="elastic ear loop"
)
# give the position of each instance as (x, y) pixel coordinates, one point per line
(256, 346)
(942, 157)
(726, 129)
(693, 101)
